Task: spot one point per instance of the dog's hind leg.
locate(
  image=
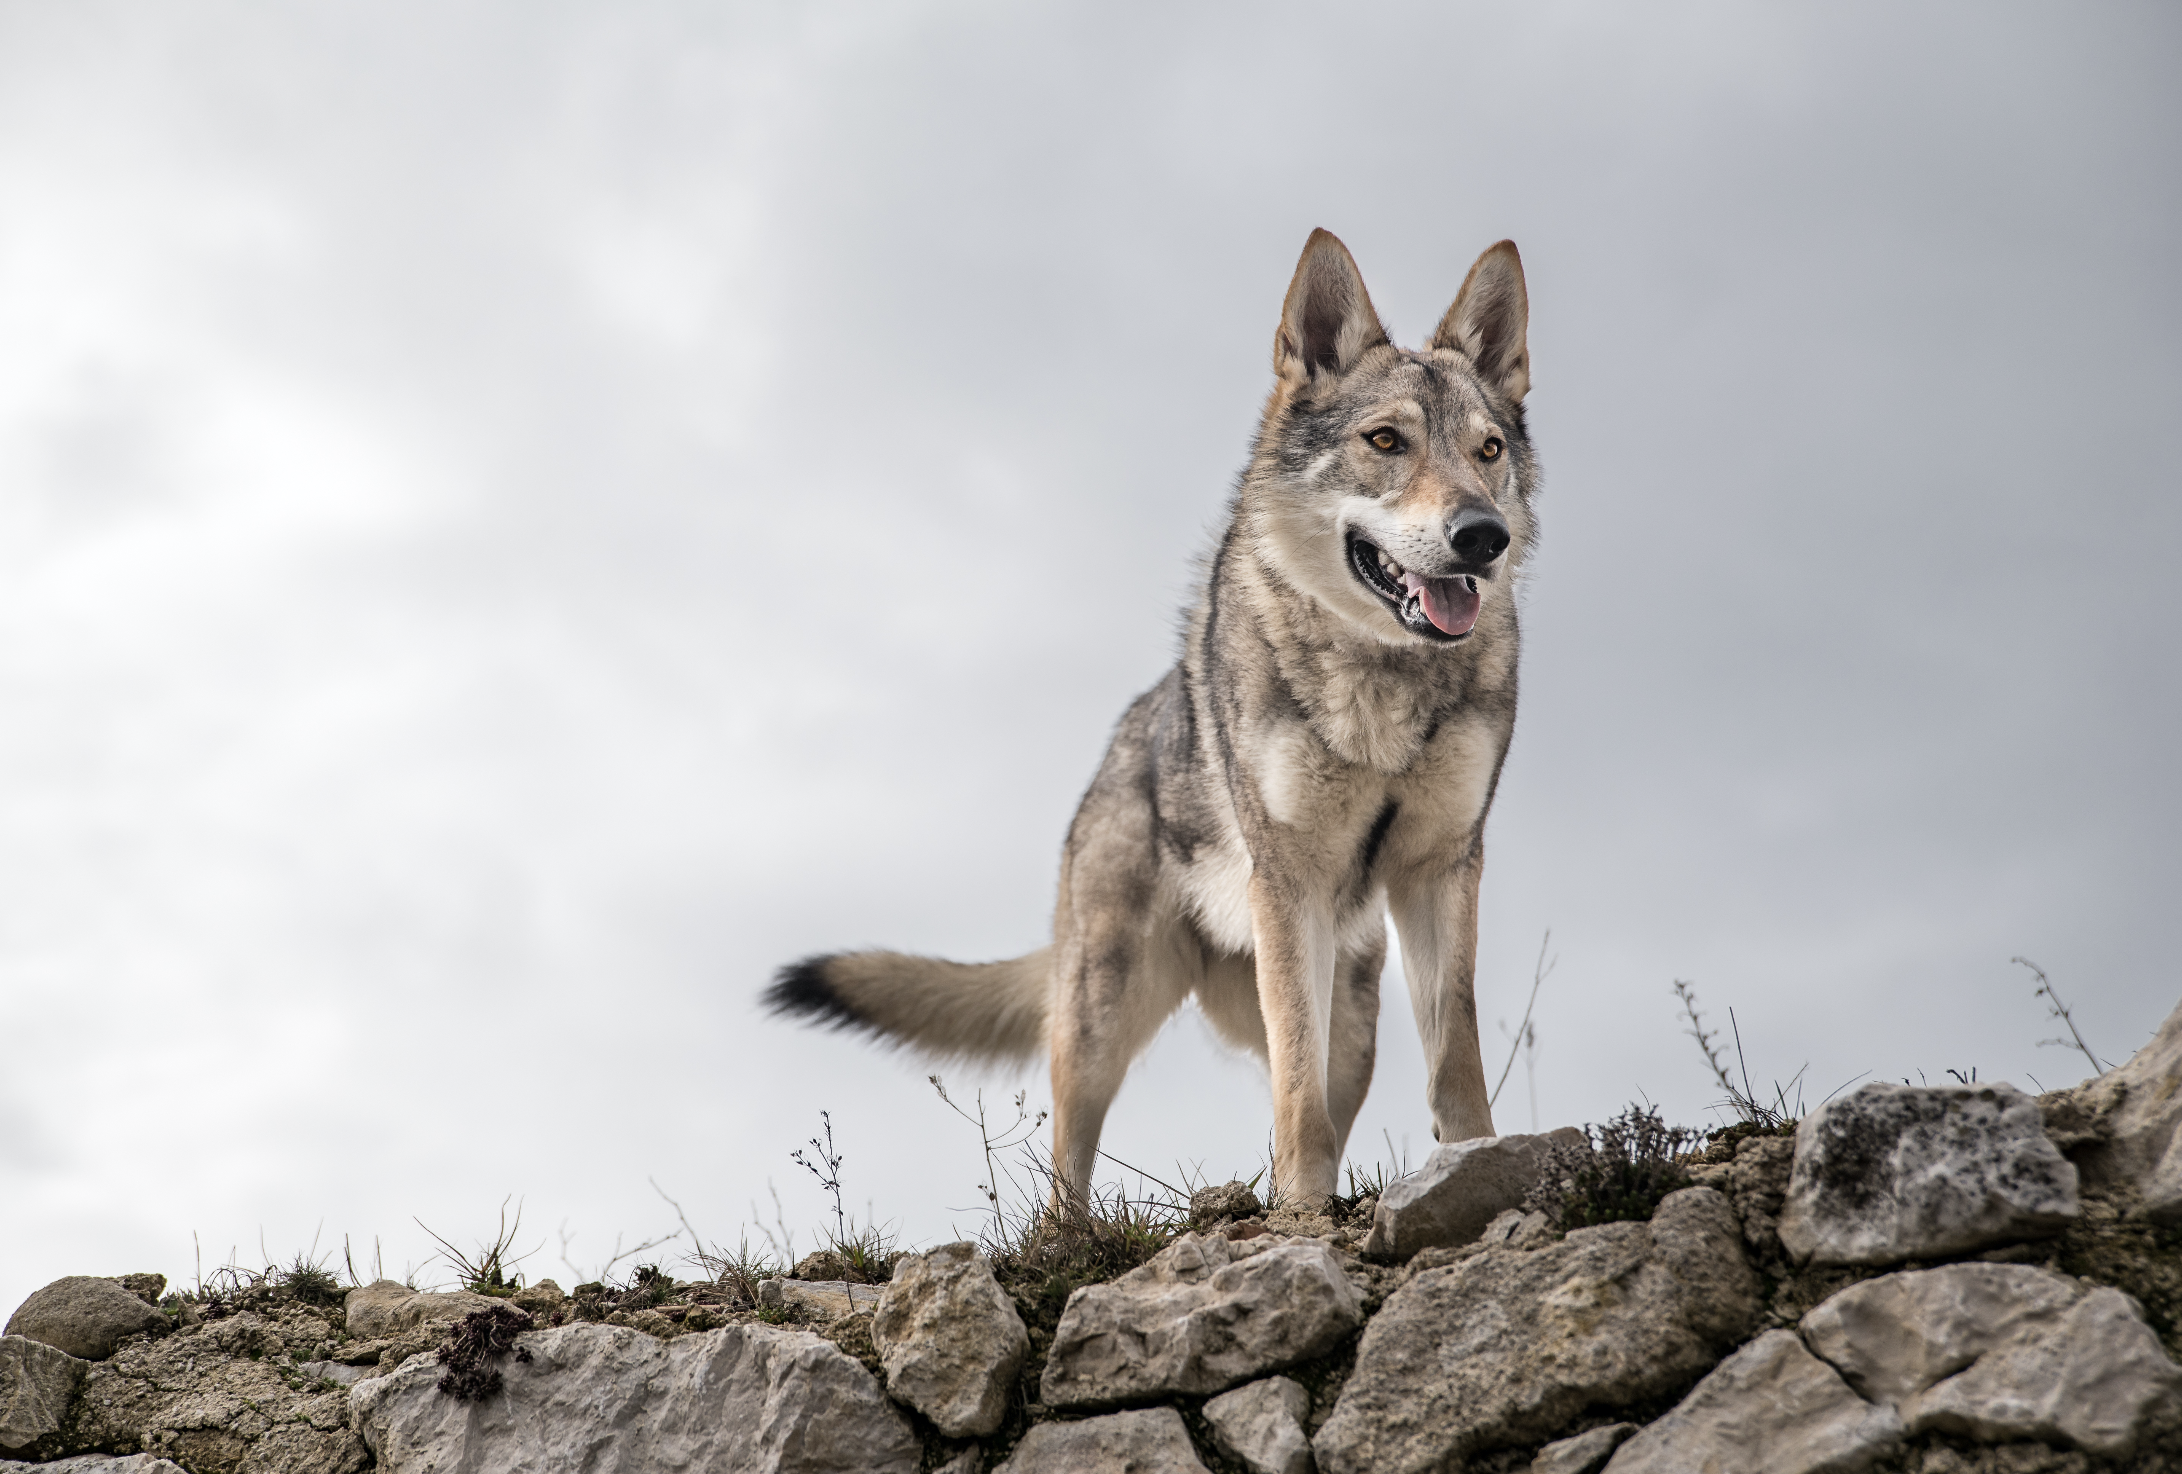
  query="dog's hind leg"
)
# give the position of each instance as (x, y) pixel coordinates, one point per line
(1120, 978)
(1352, 1044)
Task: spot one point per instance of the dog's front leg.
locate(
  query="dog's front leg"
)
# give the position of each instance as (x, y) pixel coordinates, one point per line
(1436, 914)
(1295, 964)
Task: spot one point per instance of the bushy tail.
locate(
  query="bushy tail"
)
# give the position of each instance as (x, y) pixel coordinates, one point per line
(976, 1010)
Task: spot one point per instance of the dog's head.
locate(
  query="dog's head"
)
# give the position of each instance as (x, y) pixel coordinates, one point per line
(1394, 485)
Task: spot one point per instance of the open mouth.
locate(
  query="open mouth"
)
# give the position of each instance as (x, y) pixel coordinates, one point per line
(1437, 608)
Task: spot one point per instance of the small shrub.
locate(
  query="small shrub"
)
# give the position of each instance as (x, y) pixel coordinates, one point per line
(472, 1351)
(1617, 1174)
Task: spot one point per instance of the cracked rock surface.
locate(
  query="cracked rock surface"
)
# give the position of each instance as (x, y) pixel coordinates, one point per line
(1771, 1408)
(1150, 1441)
(599, 1399)
(37, 1384)
(1203, 1315)
(1506, 1346)
(1261, 1426)
(950, 1339)
(2000, 1352)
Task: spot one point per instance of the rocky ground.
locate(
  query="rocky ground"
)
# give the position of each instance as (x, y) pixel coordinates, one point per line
(1951, 1280)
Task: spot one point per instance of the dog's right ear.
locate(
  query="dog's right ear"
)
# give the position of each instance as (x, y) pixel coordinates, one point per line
(1327, 321)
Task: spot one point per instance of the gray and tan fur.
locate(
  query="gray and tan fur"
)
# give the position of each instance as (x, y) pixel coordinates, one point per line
(1323, 753)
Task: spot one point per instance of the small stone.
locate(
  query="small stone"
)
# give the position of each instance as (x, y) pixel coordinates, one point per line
(822, 1300)
(1460, 1189)
(950, 1339)
(1586, 1453)
(1895, 1172)
(1209, 1205)
(1261, 1426)
(1771, 1407)
(1507, 1345)
(388, 1307)
(85, 1316)
(2000, 1352)
(1150, 1441)
(37, 1383)
(146, 1287)
(542, 1298)
(1203, 1315)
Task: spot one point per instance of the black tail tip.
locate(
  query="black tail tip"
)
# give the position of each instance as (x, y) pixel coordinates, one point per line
(802, 990)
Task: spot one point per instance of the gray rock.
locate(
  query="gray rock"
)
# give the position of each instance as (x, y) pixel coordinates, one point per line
(1771, 1408)
(1506, 1346)
(824, 1299)
(1228, 1200)
(1460, 1189)
(37, 1383)
(97, 1464)
(1202, 1316)
(221, 1396)
(2000, 1352)
(85, 1316)
(2139, 1112)
(146, 1287)
(1586, 1453)
(542, 1298)
(1150, 1441)
(1261, 1426)
(599, 1399)
(1895, 1172)
(339, 1372)
(388, 1307)
(950, 1339)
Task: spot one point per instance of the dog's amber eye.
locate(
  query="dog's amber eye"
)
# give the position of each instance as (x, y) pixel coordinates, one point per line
(1384, 438)
(1490, 450)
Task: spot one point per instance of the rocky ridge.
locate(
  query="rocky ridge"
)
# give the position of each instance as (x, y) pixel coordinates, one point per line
(1951, 1280)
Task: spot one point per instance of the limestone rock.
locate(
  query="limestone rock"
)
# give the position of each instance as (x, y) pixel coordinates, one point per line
(1507, 1345)
(97, 1464)
(542, 1298)
(2000, 1352)
(1894, 1172)
(1150, 1441)
(389, 1307)
(597, 1399)
(1771, 1408)
(823, 1299)
(37, 1383)
(1460, 1189)
(950, 1339)
(1228, 1200)
(146, 1287)
(1586, 1453)
(1202, 1316)
(221, 1396)
(2138, 1107)
(85, 1316)
(1261, 1426)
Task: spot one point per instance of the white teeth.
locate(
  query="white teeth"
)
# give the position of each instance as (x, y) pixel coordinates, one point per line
(1393, 569)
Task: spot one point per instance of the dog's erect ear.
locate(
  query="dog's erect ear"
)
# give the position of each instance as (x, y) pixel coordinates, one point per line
(1490, 321)
(1327, 321)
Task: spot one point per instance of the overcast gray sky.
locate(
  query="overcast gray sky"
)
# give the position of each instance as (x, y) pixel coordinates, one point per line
(515, 520)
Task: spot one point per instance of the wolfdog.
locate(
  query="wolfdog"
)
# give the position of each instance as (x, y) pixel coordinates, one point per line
(1323, 752)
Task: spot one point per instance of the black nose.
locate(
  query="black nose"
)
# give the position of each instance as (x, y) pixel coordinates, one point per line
(1478, 536)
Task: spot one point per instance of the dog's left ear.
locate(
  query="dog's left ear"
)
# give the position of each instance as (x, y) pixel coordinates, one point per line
(1490, 321)
(1327, 321)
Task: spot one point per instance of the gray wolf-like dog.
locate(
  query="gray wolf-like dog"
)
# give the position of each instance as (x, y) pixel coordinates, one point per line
(1323, 753)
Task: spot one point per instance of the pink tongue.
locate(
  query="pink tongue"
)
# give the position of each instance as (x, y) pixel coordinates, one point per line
(1450, 603)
